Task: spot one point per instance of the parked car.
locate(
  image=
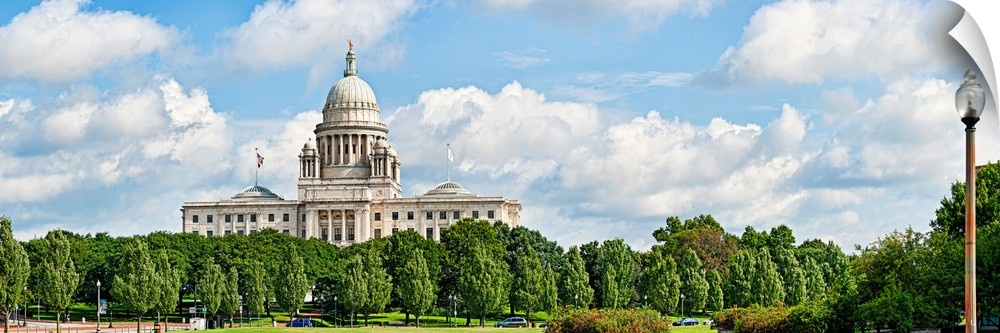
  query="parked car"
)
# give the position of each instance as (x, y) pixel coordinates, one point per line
(299, 322)
(512, 322)
(686, 322)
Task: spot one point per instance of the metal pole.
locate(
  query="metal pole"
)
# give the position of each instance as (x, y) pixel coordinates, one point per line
(98, 306)
(970, 227)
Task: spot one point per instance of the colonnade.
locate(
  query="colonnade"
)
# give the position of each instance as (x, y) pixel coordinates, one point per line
(338, 149)
(360, 223)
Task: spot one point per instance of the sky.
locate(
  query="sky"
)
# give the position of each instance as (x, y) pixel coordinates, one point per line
(603, 118)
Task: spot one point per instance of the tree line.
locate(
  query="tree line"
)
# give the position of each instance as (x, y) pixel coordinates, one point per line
(905, 279)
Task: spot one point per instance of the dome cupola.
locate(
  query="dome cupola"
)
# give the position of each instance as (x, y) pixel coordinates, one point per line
(351, 99)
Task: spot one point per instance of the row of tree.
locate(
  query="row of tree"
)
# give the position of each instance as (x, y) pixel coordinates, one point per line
(905, 279)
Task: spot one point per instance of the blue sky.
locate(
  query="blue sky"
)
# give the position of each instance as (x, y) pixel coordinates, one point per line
(602, 117)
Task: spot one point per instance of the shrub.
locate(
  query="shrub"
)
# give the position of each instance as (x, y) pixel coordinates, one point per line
(810, 317)
(569, 320)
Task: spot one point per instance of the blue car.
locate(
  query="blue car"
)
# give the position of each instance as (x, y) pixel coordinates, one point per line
(686, 322)
(300, 322)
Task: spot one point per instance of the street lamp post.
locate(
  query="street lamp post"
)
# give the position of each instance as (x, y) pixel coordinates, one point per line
(969, 101)
(98, 306)
(682, 305)
(25, 308)
(576, 300)
(644, 302)
(334, 310)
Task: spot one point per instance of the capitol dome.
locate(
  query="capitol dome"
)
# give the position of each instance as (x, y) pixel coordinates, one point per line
(351, 99)
(256, 192)
(449, 188)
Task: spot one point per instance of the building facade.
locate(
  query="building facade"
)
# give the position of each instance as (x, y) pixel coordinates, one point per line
(349, 186)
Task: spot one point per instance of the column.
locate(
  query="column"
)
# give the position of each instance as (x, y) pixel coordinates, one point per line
(357, 226)
(343, 226)
(329, 225)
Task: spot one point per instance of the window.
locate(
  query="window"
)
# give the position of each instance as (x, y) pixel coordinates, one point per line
(209, 218)
(378, 216)
(490, 214)
(324, 233)
(410, 229)
(395, 230)
(350, 234)
(336, 234)
(454, 215)
(395, 216)
(270, 217)
(303, 219)
(253, 231)
(443, 215)
(194, 232)
(378, 233)
(286, 230)
(253, 217)
(239, 218)
(409, 215)
(194, 218)
(430, 215)
(475, 214)
(229, 218)
(208, 233)
(229, 232)
(284, 217)
(430, 233)
(303, 233)
(240, 232)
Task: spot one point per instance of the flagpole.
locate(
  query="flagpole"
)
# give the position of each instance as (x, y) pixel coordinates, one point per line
(257, 169)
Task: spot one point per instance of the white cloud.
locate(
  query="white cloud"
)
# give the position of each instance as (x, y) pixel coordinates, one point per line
(522, 60)
(809, 41)
(297, 33)
(56, 41)
(599, 87)
(642, 15)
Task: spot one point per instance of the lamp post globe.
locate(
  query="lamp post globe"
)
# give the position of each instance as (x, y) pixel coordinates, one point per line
(970, 99)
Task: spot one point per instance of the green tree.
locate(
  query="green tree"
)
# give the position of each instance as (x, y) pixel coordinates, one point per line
(574, 282)
(399, 253)
(291, 284)
(255, 287)
(549, 299)
(353, 288)
(459, 242)
(950, 217)
(715, 298)
(58, 278)
(815, 285)
(483, 281)
(416, 290)
(210, 287)
(694, 287)
(739, 291)
(616, 266)
(168, 283)
(767, 287)
(230, 303)
(379, 284)
(14, 271)
(659, 281)
(792, 275)
(136, 285)
(527, 285)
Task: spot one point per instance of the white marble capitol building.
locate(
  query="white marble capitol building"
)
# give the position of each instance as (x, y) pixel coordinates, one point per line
(349, 185)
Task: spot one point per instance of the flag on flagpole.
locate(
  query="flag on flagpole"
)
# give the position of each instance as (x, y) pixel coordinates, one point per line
(451, 158)
(260, 159)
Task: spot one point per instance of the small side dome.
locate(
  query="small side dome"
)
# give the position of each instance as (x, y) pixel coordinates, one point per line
(381, 144)
(449, 188)
(309, 145)
(390, 151)
(257, 192)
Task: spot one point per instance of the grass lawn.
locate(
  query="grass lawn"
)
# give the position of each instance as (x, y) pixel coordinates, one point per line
(380, 329)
